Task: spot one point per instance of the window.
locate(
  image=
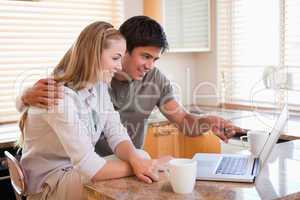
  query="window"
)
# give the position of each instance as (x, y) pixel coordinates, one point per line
(252, 36)
(187, 24)
(35, 34)
(291, 49)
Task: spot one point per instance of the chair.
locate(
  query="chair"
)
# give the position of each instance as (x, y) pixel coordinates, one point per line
(17, 177)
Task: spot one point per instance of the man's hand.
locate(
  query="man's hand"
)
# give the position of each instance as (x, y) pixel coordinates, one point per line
(224, 129)
(147, 170)
(44, 94)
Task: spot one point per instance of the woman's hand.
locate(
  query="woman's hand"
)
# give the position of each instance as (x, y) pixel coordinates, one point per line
(147, 169)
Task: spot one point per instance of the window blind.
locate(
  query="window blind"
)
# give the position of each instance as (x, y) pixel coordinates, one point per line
(252, 35)
(187, 24)
(34, 35)
(291, 49)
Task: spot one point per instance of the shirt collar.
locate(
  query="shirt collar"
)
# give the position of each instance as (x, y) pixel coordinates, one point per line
(87, 95)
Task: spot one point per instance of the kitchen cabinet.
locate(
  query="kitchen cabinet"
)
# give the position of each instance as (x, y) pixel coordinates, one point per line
(187, 24)
(206, 143)
(165, 139)
(161, 140)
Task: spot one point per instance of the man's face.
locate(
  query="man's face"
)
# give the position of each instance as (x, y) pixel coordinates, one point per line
(140, 61)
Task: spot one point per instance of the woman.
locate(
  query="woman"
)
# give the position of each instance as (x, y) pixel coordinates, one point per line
(58, 144)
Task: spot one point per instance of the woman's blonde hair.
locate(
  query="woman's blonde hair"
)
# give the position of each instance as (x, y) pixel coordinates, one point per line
(81, 66)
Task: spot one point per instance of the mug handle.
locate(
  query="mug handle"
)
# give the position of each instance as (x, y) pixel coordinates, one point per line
(167, 173)
(242, 138)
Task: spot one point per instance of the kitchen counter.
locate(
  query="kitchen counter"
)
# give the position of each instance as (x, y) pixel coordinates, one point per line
(8, 135)
(262, 121)
(279, 178)
(245, 119)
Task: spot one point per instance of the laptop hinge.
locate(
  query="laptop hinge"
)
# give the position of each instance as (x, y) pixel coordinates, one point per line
(255, 168)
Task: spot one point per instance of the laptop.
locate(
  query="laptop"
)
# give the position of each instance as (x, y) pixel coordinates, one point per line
(238, 167)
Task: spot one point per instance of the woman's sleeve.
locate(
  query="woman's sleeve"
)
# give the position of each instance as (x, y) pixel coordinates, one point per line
(113, 129)
(72, 133)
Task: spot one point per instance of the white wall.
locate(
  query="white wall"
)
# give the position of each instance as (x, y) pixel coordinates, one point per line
(186, 70)
(181, 69)
(133, 8)
(203, 82)
(207, 71)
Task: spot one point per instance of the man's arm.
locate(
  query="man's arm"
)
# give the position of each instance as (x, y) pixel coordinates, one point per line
(43, 94)
(192, 125)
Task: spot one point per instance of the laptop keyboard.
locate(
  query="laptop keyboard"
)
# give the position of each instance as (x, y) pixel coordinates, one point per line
(232, 165)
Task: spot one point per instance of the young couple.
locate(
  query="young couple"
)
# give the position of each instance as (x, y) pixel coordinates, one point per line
(58, 142)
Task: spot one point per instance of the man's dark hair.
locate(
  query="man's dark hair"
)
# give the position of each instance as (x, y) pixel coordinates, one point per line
(143, 31)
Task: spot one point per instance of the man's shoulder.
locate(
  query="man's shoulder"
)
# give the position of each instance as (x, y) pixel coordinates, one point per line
(154, 75)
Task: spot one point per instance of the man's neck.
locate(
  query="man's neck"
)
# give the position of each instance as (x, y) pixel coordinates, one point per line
(122, 76)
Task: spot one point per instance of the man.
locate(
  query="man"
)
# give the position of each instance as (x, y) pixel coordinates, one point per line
(138, 88)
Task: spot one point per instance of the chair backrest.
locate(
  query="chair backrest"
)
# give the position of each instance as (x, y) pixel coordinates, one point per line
(16, 174)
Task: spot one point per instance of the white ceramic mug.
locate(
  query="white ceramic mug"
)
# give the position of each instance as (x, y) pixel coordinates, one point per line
(182, 174)
(256, 141)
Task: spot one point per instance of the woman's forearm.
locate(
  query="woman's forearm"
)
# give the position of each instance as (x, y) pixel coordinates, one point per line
(113, 169)
(126, 151)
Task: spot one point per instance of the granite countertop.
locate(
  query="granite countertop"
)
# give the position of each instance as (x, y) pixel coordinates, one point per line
(157, 117)
(277, 180)
(262, 121)
(244, 119)
(131, 188)
(8, 135)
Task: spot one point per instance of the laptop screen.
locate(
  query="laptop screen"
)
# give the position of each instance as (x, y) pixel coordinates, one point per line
(274, 136)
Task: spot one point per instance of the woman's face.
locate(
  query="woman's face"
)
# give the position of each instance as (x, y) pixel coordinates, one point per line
(111, 58)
